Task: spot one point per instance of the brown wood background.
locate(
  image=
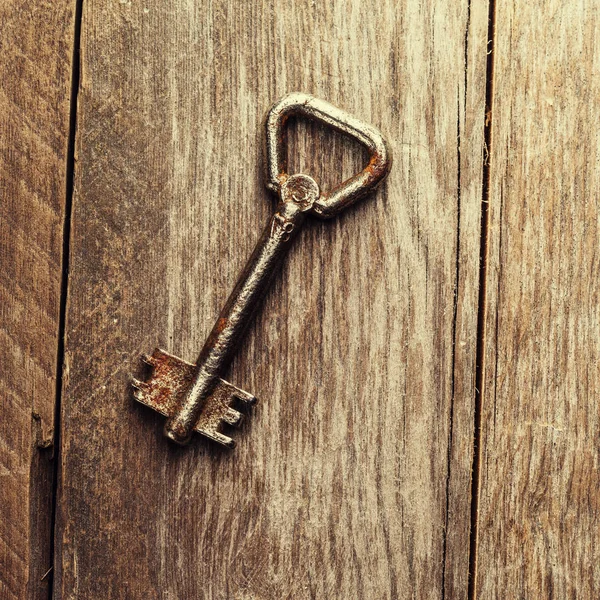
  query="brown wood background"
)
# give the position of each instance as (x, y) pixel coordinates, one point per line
(426, 365)
(539, 511)
(36, 50)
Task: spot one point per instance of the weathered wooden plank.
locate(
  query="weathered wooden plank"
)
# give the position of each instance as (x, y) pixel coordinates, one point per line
(539, 515)
(351, 478)
(36, 49)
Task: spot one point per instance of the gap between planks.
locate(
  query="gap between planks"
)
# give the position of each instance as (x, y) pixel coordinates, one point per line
(482, 304)
(64, 283)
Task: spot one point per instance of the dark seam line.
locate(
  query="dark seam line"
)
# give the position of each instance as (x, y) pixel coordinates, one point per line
(481, 315)
(64, 283)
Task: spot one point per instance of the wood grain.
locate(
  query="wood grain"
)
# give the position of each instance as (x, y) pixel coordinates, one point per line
(36, 48)
(539, 512)
(351, 479)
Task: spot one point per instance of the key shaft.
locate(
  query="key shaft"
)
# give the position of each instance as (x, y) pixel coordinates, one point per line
(243, 302)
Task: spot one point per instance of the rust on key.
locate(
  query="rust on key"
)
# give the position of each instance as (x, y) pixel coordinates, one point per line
(194, 397)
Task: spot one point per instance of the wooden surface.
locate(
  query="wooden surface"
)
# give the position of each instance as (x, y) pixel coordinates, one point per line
(36, 47)
(351, 479)
(539, 510)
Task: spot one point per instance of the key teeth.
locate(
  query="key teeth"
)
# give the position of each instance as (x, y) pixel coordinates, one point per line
(237, 393)
(217, 411)
(152, 359)
(246, 398)
(225, 441)
(219, 438)
(233, 417)
(166, 383)
(139, 386)
(230, 444)
(138, 389)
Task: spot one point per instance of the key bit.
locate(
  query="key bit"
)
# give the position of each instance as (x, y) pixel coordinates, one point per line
(171, 377)
(194, 397)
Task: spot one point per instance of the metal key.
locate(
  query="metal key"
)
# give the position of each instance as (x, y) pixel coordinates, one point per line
(195, 397)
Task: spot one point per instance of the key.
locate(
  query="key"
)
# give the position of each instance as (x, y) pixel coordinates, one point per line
(194, 397)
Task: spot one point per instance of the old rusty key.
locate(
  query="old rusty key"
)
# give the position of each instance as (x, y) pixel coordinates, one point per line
(195, 397)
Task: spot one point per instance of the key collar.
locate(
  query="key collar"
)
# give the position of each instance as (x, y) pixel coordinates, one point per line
(327, 204)
(300, 189)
